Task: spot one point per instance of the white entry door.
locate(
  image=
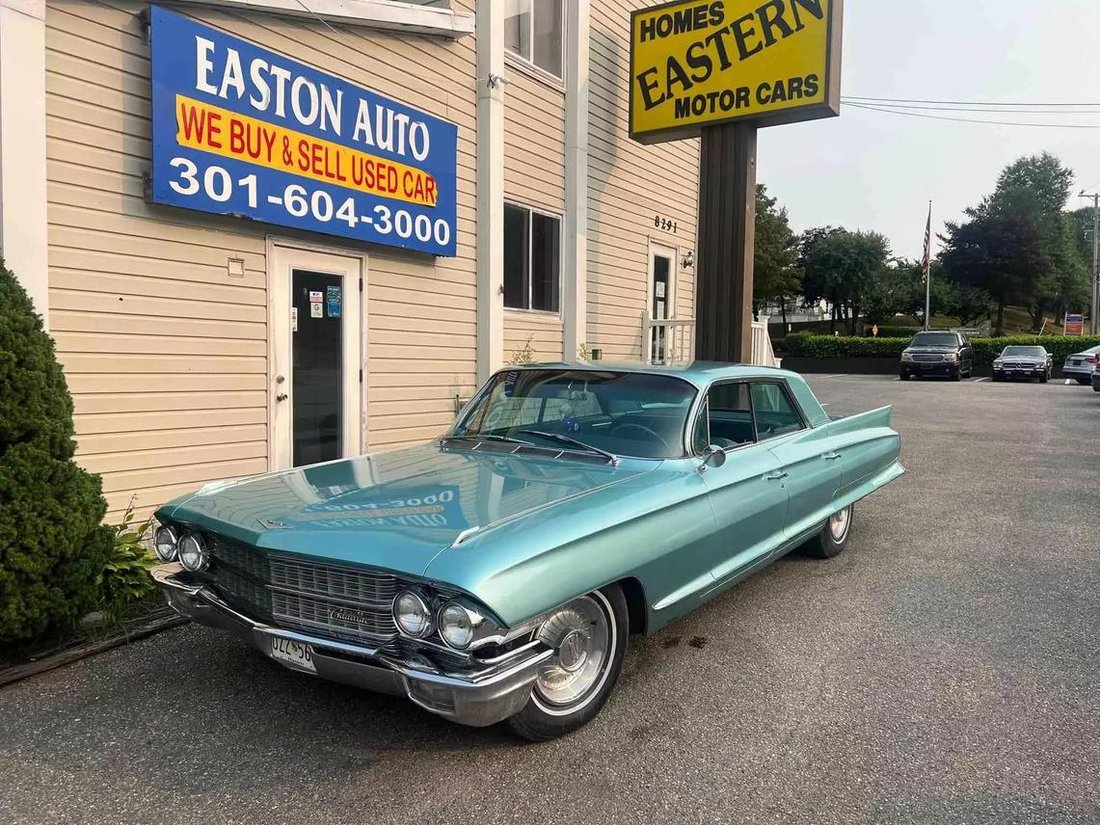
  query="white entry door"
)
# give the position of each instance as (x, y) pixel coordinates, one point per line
(662, 284)
(315, 368)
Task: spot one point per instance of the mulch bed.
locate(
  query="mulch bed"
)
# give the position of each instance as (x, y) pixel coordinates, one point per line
(75, 649)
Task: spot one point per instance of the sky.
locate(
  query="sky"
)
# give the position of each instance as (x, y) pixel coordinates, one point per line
(872, 171)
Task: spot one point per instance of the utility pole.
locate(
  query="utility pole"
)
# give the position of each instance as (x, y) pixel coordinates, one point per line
(1094, 315)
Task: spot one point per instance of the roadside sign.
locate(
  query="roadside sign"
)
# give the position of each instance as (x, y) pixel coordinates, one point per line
(695, 64)
(1075, 325)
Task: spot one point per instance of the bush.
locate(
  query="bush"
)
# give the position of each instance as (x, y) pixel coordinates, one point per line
(52, 545)
(894, 332)
(829, 346)
(985, 349)
(125, 580)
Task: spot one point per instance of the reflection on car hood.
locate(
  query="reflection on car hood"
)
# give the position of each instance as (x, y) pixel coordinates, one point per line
(395, 510)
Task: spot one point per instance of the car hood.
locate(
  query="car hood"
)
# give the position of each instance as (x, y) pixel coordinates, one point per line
(937, 350)
(396, 510)
(1028, 359)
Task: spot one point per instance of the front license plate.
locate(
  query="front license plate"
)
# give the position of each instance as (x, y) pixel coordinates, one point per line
(293, 653)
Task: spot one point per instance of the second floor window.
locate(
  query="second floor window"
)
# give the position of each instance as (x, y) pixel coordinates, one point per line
(533, 30)
(532, 259)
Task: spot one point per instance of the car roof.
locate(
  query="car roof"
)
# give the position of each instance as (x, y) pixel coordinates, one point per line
(700, 373)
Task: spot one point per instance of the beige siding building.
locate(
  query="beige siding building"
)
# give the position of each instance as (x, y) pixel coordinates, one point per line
(184, 333)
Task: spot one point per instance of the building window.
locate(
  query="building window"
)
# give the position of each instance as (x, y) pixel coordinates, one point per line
(533, 31)
(532, 259)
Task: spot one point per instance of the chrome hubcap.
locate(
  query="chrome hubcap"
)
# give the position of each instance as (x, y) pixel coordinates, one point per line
(839, 524)
(580, 634)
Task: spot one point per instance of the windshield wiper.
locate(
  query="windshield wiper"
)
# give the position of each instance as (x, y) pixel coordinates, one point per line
(573, 442)
(486, 437)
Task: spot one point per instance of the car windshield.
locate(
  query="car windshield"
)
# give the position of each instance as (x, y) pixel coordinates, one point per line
(935, 339)
(1035, 352)
(622, 413)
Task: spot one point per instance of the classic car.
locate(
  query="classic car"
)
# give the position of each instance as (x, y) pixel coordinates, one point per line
(1081, 365)
(944, 354)
(1032, 363)
(497, 573)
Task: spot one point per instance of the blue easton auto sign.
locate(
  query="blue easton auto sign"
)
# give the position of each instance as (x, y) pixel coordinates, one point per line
(239, 130)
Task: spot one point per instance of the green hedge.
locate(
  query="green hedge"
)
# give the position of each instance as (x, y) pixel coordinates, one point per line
(893, 332)
(985, 349)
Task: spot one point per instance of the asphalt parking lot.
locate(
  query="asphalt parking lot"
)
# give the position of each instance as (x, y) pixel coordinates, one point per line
(943, 670)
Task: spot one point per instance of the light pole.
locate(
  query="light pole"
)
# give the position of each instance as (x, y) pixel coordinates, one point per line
(1094, 320)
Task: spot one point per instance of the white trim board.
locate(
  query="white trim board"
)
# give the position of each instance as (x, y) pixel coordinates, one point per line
(411, 18)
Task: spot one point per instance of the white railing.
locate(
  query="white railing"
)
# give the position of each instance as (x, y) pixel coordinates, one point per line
(672, 342)
(667, 342)
(762, 353)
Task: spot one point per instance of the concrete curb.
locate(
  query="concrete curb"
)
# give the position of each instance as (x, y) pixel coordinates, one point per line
(131, 631)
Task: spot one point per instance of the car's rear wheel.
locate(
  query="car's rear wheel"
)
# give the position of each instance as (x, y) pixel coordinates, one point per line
(589, 637)
(833, 537)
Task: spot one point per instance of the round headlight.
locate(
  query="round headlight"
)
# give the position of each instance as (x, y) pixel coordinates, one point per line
(193, 555)
(165, 544)
(412, 615)
(456, 626)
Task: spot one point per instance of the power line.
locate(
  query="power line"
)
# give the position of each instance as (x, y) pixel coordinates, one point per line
(870, 108)
(860, 98)
(947, 108)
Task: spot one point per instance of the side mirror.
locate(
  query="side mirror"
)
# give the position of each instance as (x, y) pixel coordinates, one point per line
(714, 457)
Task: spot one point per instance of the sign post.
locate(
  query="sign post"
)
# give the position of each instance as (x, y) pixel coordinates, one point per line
(719, 71)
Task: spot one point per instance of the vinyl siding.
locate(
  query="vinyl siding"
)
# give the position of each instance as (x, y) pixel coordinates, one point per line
(629, 185)
(165, 354)
(543, 331)
(534, 176)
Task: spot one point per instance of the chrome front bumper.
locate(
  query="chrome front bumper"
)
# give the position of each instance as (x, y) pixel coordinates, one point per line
(478, 699)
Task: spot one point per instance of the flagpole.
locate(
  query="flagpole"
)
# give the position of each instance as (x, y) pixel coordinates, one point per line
(928, 273)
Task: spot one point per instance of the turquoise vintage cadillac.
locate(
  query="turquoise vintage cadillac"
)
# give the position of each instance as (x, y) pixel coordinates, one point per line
(497, 573)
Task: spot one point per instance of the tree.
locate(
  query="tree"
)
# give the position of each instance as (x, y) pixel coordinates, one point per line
(1032, 192)
(1004, 256)
(53, 548)
(776, 274)
(840, 266)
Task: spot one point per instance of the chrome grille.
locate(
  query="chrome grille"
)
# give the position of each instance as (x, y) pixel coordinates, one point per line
(334, 582)
(334, 619)
(343, 602)
(927, 358)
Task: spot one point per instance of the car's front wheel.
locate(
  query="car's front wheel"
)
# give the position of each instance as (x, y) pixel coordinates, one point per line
(589, 637)
(833, 537)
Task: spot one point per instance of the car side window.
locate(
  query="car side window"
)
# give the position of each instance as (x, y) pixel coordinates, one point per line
(774, 411)
(728, 413)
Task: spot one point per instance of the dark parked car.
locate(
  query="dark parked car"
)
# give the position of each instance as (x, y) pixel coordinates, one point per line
(1023, 362)
(944, 354)
(1096, 380)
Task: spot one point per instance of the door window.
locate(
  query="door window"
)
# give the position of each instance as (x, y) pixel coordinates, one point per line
(727, 418)
(774, 412)
(659, 305)
(318, 372)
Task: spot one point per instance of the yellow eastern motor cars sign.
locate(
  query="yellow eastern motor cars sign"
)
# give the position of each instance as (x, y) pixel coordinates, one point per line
(698, 63)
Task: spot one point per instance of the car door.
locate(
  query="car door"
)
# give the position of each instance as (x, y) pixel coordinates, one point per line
(747, 492)
(810, 464)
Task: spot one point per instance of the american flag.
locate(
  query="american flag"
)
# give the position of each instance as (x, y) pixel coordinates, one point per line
(926, 261)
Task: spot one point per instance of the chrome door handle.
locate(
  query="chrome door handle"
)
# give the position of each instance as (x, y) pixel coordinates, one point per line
(777, 476)
(831, 456)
